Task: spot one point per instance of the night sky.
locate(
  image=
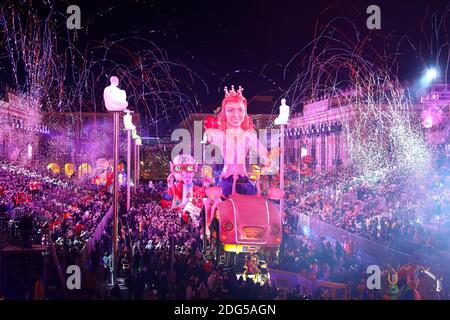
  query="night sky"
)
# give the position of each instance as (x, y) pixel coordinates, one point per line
(218, 38)
(249, 43)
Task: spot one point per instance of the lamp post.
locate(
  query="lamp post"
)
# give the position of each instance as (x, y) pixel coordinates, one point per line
(282, 120)
(135, 137)
(115, 102)
(129, 126)
(137, 145)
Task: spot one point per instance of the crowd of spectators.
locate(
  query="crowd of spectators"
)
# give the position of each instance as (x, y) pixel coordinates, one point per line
(161, 254)
(160, 257)
(34, 201)
(399, 212)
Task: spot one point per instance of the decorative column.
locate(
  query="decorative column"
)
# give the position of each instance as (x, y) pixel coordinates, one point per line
(116, 102)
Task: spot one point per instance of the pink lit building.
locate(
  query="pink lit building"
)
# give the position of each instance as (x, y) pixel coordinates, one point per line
(436, 115)
(319, 131)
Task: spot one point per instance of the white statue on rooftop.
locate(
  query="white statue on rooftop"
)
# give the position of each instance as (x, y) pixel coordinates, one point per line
(283, 117)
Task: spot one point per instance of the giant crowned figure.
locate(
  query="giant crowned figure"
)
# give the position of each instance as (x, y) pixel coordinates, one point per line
(233, 133)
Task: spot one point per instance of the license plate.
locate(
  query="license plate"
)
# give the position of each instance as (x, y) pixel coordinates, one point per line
(250, 248)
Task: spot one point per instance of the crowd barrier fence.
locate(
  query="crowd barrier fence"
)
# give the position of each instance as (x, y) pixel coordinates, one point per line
(371, 248)
(290, 280)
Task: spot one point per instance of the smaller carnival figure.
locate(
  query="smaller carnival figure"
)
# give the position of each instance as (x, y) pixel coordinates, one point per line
(186, 196)
(409, 291)
(391, 292)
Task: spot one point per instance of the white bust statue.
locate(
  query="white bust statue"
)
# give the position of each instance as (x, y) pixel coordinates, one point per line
(115, 98)
(283, 117)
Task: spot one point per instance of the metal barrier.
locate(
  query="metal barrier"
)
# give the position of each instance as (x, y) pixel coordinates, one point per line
(2, 227)
(367, 246)
(9, 230)
(438, 261)
(290, 280)
(90, 244)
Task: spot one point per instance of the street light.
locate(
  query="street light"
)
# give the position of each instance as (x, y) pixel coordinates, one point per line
(129, 126)
(137, 145)
(115, 102)
(430, 75)
(282, 120)
(134, 136)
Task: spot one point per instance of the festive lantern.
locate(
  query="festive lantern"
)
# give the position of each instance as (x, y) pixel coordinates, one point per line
(54, 167)
(69, 169)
